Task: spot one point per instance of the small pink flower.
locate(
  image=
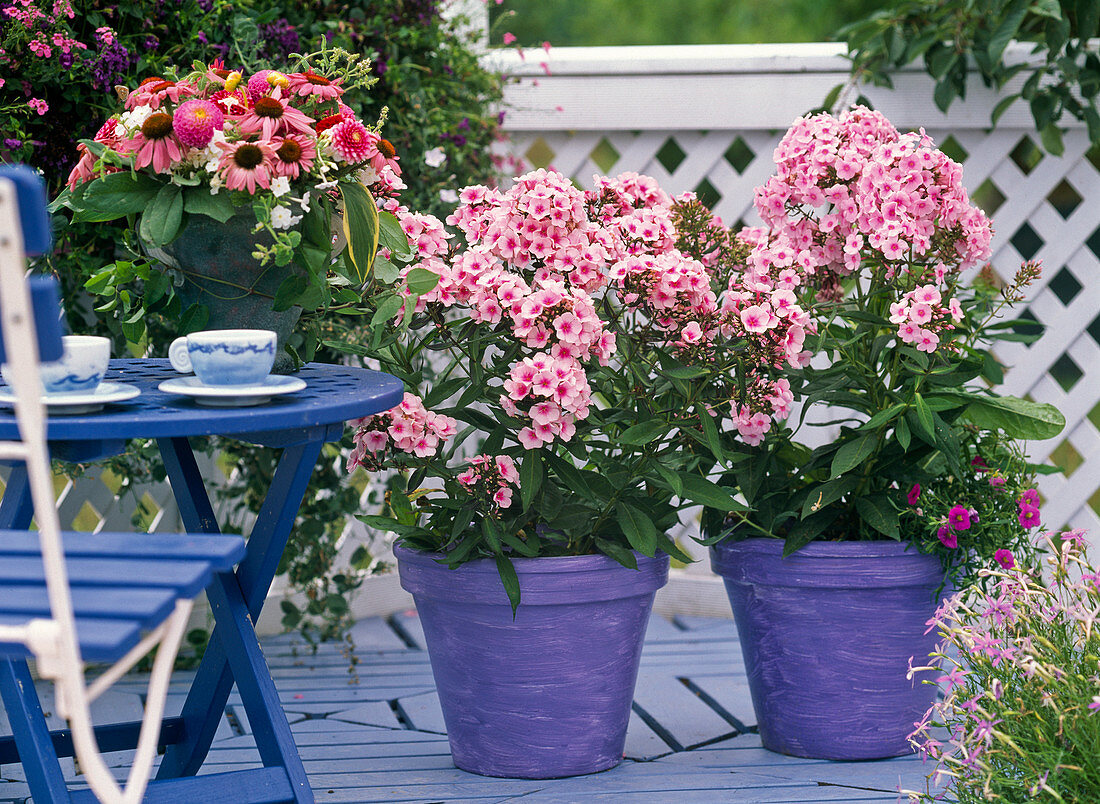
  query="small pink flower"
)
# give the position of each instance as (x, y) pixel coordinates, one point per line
(1029, 516)
(948, 537)
(958, 518)
(914, 494)
(1029, 497)
(1004, 558)
(39, 105)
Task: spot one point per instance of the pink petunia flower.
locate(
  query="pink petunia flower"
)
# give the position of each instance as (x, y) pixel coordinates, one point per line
(1029, 516)
(914, 494)
(949, 538)
(958, 518)
(1004, 558)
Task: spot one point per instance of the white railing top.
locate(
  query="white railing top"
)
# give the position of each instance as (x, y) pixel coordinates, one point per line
(682, 87)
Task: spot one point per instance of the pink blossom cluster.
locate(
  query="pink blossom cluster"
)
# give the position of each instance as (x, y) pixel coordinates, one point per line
(409, 427)
(246, 135)
(671, 291)
(551, 393)
(855, 187)
(921, 315)
(636, 212)
(540, 224)
(492, 477)
(765, 401)
(1028, 509)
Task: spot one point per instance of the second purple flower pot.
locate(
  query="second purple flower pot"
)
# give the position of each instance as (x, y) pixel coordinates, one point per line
(548, 693)
(827, 634)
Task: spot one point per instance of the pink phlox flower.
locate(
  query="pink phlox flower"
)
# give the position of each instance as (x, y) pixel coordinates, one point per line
(928, 341)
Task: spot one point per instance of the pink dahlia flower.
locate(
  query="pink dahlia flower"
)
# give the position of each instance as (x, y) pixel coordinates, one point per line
(195, 122)
(353, 142)
(246, 165)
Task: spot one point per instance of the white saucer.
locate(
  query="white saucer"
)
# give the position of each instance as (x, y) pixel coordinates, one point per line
(231, 396)
(71, 404)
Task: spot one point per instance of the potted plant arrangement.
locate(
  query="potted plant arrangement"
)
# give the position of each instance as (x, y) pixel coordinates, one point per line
(238, 187)
(581, 364)
(836, 566)
(1018, 720)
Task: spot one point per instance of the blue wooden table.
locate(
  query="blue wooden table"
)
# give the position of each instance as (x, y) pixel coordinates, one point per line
(299, 424)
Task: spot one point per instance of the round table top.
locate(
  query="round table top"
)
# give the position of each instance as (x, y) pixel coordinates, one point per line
(332, 394)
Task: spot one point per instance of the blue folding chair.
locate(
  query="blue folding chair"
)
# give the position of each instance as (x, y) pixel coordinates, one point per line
(67, 598)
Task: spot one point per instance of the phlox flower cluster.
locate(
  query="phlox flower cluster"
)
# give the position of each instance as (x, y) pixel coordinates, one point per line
(285, 135)
(853, 191)
(493, 478)
(1022, 689)
(410, 427)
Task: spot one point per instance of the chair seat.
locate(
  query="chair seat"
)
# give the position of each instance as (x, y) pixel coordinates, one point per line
(122, 583)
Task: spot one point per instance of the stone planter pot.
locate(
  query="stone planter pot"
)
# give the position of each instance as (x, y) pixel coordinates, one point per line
(827, 634)
(548, 693)
(218, 270)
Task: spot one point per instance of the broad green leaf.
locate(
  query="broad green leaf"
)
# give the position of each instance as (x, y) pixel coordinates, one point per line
(1051, 137)
(392, 236)
(903, 435)
(643, 433)
(1007, 30)
(193, 319)
(637, 527)
(510, 580)
(617, 552)
(808, 529)
(360, 227)
(877, 512)
(161, 219)
(530, 476)
(852, 453)
(924, 416)
(827, 493)
(699, 490)
(1016, 418)
(421, 281)
(385, 523)
(290, 292)
(673, 480)
(882, 417)
(199, 201)
(116, 195)
(385, 271)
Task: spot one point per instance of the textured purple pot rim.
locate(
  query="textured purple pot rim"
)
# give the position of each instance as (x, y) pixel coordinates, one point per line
(826, 565)
(543, 581)
(843, 549)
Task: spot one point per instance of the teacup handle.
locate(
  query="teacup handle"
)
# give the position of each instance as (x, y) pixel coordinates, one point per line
(179, 357)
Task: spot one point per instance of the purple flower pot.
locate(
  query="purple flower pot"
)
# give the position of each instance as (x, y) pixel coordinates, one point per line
(827, 634)
(546, 694)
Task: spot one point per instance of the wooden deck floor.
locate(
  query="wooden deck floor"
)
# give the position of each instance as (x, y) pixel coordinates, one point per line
(379, 736)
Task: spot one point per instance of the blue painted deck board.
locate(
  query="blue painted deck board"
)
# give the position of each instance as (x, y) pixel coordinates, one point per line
(376, 734)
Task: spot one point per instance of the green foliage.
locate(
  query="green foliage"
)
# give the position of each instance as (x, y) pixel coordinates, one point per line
(955, 37)
(687, 22)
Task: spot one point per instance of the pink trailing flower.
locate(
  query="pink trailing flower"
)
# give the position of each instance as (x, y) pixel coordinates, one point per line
(1029, 516)
(959, 518)
(948, 537)
(1004, 558)
(914, 494)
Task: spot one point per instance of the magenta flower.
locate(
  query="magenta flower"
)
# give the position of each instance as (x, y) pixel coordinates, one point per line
(1029, 497)
(1029, 516)
(1004, 558)
(958, 518)
(949, 538)
(914, 494)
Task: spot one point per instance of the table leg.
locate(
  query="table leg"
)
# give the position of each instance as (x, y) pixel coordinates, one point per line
(233, 652)
(16, 507)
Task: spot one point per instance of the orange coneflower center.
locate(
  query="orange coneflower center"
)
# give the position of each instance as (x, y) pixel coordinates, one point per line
(157, 126)
(313, 78)
(162, 85)
(385, 147)
(247, 156)
(222, 73)
(268, 107)
(150, 80)
(289, 151)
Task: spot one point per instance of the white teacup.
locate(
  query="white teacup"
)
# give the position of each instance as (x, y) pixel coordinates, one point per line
(80, 369)
(225, 356)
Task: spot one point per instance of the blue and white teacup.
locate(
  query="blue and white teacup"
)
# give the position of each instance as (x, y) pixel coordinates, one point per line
(80, 369)
(225, 356)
